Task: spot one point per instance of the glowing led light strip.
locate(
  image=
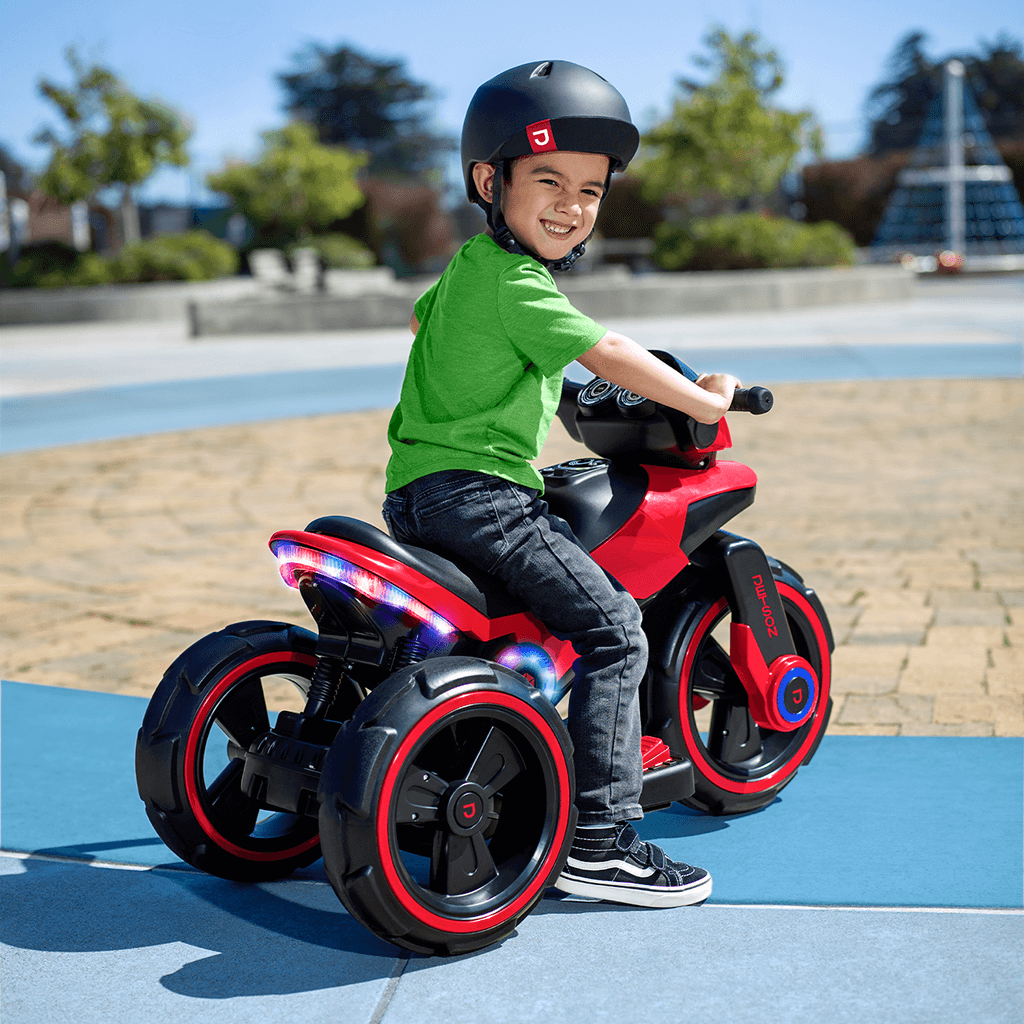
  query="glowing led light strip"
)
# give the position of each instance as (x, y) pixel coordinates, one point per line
(291, 557)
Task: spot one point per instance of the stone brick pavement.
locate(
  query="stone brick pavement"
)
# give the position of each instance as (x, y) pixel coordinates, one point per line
(900, 502)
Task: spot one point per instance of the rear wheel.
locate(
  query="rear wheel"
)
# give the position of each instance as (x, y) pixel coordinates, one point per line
(738, 765)
(446, 805)
(210, 706)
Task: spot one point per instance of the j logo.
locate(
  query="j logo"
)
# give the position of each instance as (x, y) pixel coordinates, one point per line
(469, 809)
(542, 139)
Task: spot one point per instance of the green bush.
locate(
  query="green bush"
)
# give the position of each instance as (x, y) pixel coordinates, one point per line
(191, 256)
(339, 252)
(750, 241)
(54, 265)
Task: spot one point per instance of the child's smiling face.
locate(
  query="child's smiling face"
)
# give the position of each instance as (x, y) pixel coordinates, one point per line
(552, 201)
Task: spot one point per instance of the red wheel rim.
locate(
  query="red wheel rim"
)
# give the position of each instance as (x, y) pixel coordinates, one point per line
(384, 816)
(192, 767)
(695, 746)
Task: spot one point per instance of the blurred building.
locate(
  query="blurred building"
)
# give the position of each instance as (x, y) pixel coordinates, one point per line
(403, 223)
(27, 218)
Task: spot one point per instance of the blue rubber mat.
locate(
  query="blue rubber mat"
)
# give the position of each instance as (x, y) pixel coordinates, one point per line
(872, 821)
(42, 421)
(86, 946)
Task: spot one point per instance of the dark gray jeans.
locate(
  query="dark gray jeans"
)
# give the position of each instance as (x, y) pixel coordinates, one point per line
(507, 530)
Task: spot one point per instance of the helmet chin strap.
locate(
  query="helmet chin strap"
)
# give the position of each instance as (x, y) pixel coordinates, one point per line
(503, 233)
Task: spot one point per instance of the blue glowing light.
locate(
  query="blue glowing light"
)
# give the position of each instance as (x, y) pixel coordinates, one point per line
(533, 662)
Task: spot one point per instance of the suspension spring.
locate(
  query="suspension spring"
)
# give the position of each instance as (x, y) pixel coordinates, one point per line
(408, 651)
(323, 689)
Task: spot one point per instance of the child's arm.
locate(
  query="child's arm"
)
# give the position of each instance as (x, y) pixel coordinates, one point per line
(622, 361)
(414, 324)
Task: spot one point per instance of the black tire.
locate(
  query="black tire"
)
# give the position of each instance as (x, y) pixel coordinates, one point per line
(692, 671)
(189, 777)
(483, 743)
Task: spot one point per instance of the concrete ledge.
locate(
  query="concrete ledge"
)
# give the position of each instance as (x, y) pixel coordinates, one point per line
(736, 291)
(167, 300)
(601, 294)
(241, 306)
(290, 313)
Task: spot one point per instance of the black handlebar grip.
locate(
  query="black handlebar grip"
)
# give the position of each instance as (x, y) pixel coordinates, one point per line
(754, 400)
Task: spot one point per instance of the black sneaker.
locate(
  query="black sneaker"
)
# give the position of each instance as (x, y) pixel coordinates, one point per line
(614, 863)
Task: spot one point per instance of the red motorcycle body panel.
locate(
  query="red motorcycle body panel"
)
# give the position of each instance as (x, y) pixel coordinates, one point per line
(645, 553)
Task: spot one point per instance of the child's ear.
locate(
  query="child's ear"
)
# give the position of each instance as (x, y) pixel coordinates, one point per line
(483, 178)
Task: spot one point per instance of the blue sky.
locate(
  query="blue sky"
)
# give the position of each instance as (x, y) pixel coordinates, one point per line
(217, 60)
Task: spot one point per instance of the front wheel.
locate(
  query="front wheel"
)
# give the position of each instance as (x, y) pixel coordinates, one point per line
(208, 709)
(701, 705)
(446, 805)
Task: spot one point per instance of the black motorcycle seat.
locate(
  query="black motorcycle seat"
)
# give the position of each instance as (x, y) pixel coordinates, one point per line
(477, 588)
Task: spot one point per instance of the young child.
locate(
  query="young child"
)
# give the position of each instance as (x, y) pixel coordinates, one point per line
(493, 335)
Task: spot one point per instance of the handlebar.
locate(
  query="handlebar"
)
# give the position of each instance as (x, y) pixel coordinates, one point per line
(615, 423)
(756, 400)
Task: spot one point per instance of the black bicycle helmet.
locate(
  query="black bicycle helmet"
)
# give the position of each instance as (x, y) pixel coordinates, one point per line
(537, 108)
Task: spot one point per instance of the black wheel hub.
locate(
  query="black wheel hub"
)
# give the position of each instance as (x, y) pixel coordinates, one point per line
(467, 809)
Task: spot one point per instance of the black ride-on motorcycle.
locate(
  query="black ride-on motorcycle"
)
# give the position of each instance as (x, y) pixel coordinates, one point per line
(429, 765)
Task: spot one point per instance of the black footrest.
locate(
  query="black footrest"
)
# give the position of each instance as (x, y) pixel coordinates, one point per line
(667, 783)
(282, 773)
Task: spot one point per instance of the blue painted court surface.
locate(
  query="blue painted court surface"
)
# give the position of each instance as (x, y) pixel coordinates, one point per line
(41, 421)
(890, 871)
(924, 807)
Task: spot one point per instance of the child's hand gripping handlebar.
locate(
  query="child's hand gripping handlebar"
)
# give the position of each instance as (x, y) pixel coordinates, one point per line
(755, 400)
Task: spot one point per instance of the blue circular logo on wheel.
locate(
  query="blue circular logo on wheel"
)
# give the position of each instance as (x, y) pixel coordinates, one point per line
(796, 694)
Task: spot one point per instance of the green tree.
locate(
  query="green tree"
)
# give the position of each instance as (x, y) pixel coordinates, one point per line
(725, 137)
(112, 138)
(369, 104)
(896, 108)
(296, 187)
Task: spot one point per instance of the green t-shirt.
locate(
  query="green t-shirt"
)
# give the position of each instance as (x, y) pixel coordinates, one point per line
(485, 371)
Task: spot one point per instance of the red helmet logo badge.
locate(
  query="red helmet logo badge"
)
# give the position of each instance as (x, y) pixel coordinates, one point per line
(542, 139)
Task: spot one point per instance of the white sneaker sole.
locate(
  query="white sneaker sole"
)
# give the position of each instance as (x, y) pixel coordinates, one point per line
(636, 895)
